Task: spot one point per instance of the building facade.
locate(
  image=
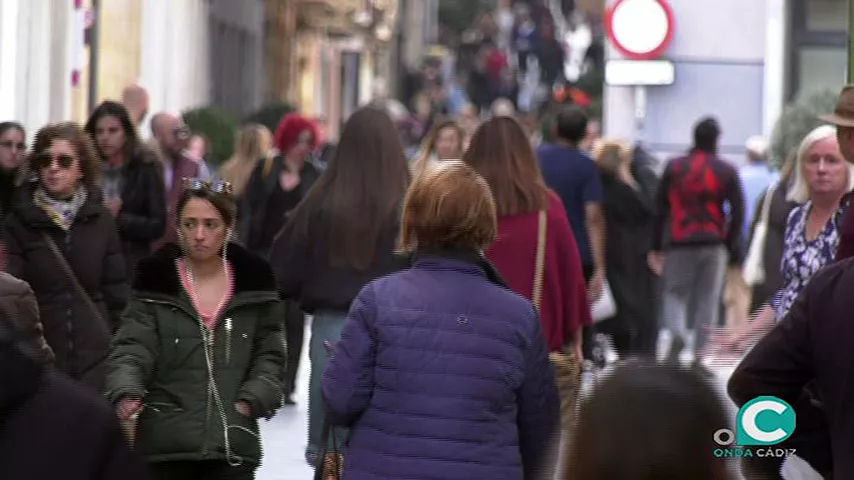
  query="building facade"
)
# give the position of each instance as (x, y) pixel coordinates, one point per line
(719, 53)
(741, 62)
(817, 34)
(326, 57)
(237, 55)
(41, 57)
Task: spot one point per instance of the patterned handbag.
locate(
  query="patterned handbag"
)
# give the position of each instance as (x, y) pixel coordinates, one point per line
(330, 462)
(566, 364)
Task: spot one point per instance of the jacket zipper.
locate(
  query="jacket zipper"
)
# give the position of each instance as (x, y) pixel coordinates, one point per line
(69, 313)
(228, 340)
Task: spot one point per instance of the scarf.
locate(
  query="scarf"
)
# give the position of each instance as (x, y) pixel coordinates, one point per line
(61, 212)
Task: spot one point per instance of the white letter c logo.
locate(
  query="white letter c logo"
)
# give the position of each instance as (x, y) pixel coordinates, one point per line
(748, 421)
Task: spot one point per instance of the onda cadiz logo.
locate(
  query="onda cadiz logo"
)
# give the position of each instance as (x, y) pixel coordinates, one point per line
(761, 422)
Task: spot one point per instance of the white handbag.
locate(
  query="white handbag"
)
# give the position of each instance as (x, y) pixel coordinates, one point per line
(753, 270)
(604, 307)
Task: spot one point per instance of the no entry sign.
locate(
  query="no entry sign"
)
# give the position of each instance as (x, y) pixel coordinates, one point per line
(640, 29)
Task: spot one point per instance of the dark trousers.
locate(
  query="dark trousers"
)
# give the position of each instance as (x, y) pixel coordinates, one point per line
(588, 332)
(294, 335)
(201, 470)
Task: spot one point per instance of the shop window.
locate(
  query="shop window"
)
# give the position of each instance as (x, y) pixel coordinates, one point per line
(821, 69)
(827, 15)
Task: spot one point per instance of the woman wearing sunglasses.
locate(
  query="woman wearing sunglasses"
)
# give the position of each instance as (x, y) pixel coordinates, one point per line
(62, 240)
(199, 354)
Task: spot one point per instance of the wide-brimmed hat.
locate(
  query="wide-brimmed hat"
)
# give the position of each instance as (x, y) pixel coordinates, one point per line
(843, 115)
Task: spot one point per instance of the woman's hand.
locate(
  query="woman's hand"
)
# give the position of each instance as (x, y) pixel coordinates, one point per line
(655, 260)
(128, 407)
(576, 346)
(725, 341)
(596, 286)
(243, 408)
(736, 341)
(114, 205)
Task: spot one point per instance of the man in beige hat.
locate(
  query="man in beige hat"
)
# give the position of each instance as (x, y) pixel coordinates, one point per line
(843, 118)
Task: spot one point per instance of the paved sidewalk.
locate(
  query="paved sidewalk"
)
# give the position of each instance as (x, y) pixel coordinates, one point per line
(285, 435)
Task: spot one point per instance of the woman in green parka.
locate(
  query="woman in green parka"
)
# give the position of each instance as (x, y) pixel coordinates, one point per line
(200, 354)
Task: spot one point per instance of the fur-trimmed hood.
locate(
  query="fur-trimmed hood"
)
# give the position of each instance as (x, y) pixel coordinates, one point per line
(157, 273)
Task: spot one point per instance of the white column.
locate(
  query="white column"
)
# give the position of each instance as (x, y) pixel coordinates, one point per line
(62, 40)
(33, 72)
(775, 63)
(200, 57)
(366, 73)
(156, 33)
(9, 35)
(186, 81)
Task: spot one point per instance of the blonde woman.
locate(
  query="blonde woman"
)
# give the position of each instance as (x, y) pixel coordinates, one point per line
(254, 142)
(629, 218)
(444, 142)
(822, 177)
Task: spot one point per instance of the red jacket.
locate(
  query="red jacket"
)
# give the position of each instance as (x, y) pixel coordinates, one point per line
(564, 305)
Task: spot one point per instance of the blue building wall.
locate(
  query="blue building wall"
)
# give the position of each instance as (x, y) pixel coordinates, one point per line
(719, 55)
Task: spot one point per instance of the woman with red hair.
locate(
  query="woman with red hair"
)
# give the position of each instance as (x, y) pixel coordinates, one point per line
(277, 185)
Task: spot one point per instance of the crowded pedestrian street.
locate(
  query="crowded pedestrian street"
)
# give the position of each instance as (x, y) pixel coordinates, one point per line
(284, 436)
(426, 239)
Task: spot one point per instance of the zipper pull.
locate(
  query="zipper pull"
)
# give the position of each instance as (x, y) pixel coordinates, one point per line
(228, 340)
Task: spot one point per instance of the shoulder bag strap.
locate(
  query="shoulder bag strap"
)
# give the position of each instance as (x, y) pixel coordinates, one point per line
(63, 263)
(540, 264)
(766, 205)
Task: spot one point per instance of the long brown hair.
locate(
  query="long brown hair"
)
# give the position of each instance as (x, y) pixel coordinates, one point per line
(358, 197)
(253, 143)
(502, 153)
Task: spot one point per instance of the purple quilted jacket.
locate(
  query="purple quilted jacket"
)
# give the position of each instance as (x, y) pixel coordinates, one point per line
(442, 373)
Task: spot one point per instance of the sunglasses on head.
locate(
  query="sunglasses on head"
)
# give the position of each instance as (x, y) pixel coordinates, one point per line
(46, 159)
(215, 186)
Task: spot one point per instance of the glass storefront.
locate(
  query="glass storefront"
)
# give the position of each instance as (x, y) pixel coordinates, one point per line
(827, 15)
(821, 68)
(818, 45)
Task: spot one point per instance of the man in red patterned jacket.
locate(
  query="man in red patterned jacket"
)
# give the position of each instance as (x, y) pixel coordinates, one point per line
(700, 195)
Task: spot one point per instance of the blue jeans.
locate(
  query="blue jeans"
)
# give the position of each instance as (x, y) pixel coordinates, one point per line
(325, 326)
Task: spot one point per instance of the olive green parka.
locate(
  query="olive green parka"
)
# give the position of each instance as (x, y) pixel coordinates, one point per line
(158, 356)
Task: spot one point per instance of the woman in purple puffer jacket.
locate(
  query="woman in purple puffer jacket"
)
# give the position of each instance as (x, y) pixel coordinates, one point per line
(441, 370)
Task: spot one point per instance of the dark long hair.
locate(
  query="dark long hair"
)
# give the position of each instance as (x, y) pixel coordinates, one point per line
(502, 153)
(4, 126)
(358, 197)
(113, 109)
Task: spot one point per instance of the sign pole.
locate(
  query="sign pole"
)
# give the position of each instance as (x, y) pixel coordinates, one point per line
(640, 111)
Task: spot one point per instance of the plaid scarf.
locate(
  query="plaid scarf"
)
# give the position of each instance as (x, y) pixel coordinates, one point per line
(61, 212)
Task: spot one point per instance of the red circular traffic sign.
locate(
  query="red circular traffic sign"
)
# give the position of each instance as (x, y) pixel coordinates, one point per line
(640, 29)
